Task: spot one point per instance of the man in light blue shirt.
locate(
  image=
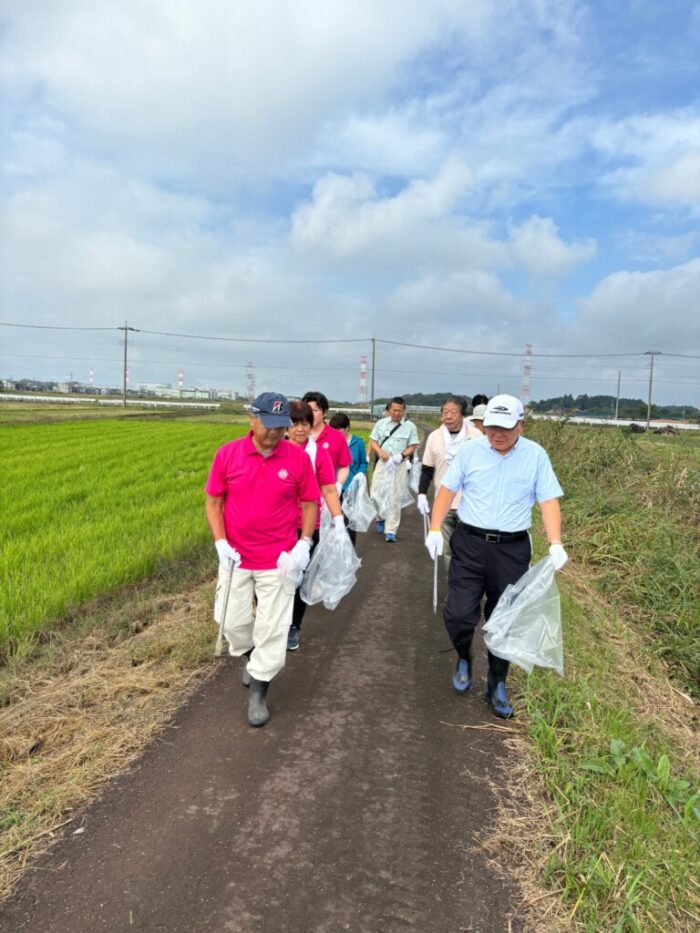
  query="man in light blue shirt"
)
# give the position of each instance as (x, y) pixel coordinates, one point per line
(393, 439)
(500, 477)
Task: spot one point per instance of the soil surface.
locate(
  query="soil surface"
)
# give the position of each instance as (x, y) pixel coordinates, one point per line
(357, 807)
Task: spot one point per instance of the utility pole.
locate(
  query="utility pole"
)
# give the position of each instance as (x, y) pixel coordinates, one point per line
(126, 328)
(617, 397)
(371, 401)
(652, 354)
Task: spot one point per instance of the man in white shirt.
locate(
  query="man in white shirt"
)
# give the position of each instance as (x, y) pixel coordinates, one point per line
(441, 448)
(393, 439)
(500, 477)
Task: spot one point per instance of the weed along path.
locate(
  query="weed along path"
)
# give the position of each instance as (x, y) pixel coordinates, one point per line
(361, 806)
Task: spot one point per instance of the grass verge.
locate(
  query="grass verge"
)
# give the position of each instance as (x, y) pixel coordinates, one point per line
(91, 697)
(605, 811)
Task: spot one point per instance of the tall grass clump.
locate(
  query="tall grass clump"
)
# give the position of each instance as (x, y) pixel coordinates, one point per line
(632, 516)
(615, 825)
(90, 506)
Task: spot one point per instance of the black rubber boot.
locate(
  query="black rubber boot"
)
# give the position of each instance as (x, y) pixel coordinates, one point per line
(462, 677)
(258, 713)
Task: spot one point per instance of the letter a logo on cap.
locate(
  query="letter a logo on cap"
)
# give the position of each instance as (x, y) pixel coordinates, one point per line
(277, 406)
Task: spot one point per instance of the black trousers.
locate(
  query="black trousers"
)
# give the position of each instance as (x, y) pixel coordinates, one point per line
(299, 604)
(477, 568)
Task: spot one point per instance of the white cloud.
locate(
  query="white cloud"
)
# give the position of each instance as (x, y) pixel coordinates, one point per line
(662, 156)
(347, 216)
(536, 244)
(643, 310)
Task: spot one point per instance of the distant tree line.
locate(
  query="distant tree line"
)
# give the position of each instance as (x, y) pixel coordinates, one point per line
(604, 406)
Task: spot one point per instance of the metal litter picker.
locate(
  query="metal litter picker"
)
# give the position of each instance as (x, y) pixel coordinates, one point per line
(435, 567)
(435, 584)
(219, 650)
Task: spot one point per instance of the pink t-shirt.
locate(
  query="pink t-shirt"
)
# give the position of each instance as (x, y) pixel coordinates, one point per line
(333, 442)
(325, 476)
(262, 498)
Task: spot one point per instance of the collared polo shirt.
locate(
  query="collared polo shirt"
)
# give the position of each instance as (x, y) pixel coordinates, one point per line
(262, 498)
(333, 442)
(406, 435)
(498, 492)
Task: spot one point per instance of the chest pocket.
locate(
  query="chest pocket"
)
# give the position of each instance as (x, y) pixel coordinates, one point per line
(519, 492)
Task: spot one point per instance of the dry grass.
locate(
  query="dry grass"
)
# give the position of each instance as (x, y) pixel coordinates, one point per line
(80, 714)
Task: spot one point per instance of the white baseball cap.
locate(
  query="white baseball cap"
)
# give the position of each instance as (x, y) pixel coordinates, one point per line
(503, 411)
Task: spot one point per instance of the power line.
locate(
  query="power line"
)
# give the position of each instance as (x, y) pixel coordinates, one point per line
(420, 346)
(158, 333)
(53, 327)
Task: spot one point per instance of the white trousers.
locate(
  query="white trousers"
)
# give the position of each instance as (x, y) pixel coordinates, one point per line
(264, 629)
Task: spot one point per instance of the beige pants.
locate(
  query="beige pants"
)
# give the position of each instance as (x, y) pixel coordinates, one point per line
(265, 631)
(391, 514)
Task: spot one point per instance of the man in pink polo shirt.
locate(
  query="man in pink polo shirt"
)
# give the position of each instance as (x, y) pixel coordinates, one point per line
(256, 487)
(328, 438)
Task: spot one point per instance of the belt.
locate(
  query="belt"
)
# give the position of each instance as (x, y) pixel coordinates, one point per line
(496, 537)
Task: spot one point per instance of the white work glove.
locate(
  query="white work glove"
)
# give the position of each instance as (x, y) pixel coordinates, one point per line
(422, 504)
(558, 555)
(397, 458)
(339, 522)
(227, 554)
(300, 554)
(434, 544)
(291, 573)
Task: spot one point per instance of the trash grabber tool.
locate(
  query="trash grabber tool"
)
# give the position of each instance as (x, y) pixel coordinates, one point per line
(219, 650)
(435, 583)
(425, 526)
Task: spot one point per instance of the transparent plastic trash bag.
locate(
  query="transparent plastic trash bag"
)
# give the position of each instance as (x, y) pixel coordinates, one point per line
(383, 489)
(525, 626)
(414, 476)
(404, 487)
(325, 522)
(332, 571)
(392, 481)
(357, 505)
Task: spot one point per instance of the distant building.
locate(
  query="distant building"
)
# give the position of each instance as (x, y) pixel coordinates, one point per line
(195, 393)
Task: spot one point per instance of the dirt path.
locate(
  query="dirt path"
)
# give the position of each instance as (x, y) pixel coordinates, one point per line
(356, 808)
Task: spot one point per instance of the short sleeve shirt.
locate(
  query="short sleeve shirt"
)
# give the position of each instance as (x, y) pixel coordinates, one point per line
(434, 454)
(325, 476)
(498, 492)
(262, 497)
(406, 435)
(333, 442)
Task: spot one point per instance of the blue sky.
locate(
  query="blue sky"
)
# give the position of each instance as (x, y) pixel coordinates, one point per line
(476, 176)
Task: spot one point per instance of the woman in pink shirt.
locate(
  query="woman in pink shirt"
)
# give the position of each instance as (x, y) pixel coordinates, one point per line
(300, 434)
(328, 438)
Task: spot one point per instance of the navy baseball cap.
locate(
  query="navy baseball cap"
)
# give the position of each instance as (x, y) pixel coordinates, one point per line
(272, 409)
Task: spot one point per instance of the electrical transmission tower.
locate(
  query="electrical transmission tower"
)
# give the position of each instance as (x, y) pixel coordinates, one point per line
(527, 372)
(250, 381)
(362, 394)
